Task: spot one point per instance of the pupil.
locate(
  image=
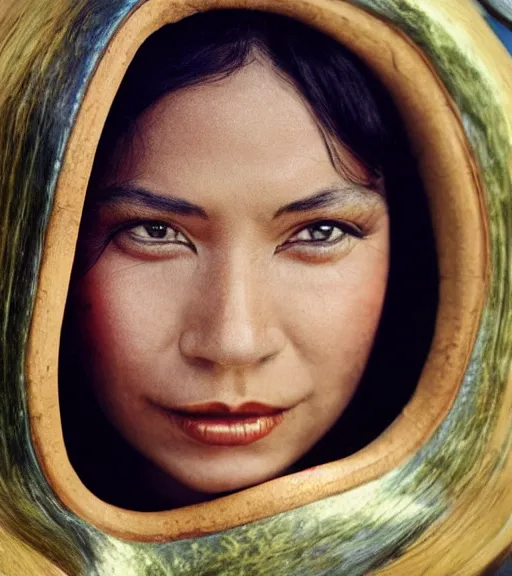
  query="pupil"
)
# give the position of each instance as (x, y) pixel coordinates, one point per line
(322, 232)
(157, 230)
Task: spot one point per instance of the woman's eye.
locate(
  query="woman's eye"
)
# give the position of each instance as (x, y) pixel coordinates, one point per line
(323, 233)
(157, 233)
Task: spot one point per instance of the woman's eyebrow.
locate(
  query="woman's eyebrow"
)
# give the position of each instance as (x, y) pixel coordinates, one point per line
(335, 195)
(143, 197)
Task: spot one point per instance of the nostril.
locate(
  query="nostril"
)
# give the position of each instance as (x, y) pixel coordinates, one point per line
(269, 358)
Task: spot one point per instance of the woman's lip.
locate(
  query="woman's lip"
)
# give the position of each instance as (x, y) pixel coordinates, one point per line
(226, 429)
(220, 408)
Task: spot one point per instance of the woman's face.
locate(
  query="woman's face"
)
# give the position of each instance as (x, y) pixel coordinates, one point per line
(228, 319)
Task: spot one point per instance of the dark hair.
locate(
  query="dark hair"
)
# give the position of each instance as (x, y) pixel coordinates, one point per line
(344, 96)
(352, 107)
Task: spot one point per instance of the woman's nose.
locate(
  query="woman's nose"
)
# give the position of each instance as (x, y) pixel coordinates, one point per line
(230, 321)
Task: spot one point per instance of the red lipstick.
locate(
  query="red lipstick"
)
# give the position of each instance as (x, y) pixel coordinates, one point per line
(219, 424)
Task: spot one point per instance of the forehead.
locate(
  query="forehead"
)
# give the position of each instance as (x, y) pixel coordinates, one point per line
(250, 127)
(244, 108)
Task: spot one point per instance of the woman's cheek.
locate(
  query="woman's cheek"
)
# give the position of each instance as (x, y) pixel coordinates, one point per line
(130, 313)
(332, 311)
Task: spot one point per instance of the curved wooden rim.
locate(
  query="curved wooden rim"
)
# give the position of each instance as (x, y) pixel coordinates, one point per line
(459, 224)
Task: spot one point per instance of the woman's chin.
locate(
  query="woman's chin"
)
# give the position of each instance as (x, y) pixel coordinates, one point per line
(219, 478)
(226, 482)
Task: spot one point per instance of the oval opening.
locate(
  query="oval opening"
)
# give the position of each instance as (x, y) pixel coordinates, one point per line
(447, 173)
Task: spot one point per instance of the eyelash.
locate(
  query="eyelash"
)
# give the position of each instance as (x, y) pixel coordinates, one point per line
(345, 229)
(156, 224)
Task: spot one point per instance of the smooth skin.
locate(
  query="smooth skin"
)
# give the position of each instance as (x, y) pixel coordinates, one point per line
(236, 264)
